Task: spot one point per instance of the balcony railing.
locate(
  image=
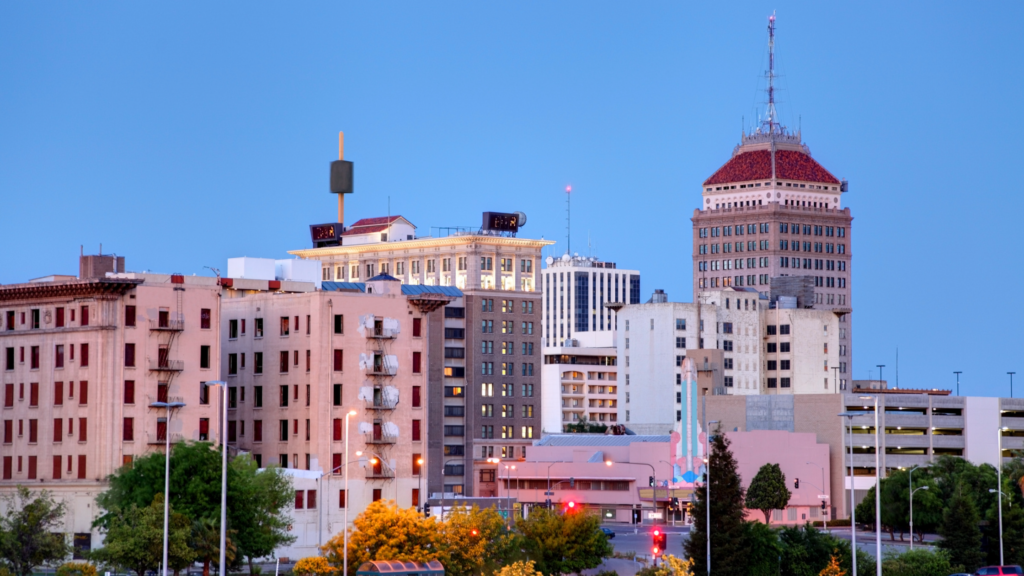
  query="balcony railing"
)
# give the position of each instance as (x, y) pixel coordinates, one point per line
(172, 324)
(382, 370)
(167, 365)
(381, 404)
(383, 472)
(382, 333)
(381, 438)
(160, 439)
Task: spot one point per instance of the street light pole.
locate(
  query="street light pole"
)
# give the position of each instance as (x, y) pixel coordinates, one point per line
(344, 536)
(853, 509)
(878, 493)
(958, 373)
(999, 487)
(912, 492)
(825, 512)
(1011, 383)
(880, 366)
(707, 486)
(168, 406)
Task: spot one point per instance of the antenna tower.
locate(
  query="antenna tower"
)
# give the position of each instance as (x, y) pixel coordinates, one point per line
(771, 88)
(568, 213)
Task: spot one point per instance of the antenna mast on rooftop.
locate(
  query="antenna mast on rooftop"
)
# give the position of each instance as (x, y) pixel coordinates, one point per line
(568, 213)
(771, 88)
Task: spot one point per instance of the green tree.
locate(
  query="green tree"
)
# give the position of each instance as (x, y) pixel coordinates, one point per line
(961, 536)
(30, 532)
(206, 544)
(919, 562)
(133, 539)
(260, 522)
(475, 541)
(727, 511)
(195, 482)
(768, 491)
(763, 549)
(1013, 518)
(564, 543)
(386, 532)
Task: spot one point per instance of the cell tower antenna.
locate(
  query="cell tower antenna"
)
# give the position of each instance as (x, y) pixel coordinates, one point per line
(772, 120)
(568, 214)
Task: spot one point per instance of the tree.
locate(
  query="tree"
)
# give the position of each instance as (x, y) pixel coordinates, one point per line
(475, 541)
(768, 491)
(134, 538)
(919, 562)
(386, 532)
(260, 525)
(763, 549)
(727, 525)
(206, 544)
(564, 543)
(961, 537)
(30, 531)
(833, 568)
(518, 568)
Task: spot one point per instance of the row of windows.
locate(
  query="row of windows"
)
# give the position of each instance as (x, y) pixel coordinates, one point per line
(816, 230)
(815, 264)
(58, 430)
(739, 229)
(507, 327)
(414, 267)
(765, 227)
(507, 348)
(507, 432)
(506, 369)
(506, 390)
(11, 359)
(749, 280)
(58, 393)
(753, 246)
(507, 410)
(506, 306)
(35, 318)
(32, 467)
(826, 247)
(738, 264)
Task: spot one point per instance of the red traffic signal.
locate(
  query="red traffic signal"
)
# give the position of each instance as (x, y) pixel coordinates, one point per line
(474, 532)
(656, 533)
(570, 505)
(656, 551)
(660, 540)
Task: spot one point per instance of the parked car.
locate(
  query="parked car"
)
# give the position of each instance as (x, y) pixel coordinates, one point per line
(997, 570)
(608, 532)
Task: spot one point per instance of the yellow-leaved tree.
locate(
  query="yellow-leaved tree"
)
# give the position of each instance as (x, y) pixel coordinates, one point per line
(833, 568)
(677, 566)
(313, 566)
(519, 568)
(475, 541)
(386, 532)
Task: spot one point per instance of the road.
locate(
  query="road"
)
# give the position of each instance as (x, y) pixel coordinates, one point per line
(638, 540)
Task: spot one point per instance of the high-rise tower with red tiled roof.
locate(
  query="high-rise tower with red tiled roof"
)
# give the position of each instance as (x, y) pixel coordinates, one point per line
(772, 213)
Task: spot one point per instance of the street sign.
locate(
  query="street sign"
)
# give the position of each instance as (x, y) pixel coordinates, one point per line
(549, 493)
(823, 496)
(654, 515)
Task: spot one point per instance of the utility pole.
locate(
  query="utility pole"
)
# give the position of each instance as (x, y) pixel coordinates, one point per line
(958, 373)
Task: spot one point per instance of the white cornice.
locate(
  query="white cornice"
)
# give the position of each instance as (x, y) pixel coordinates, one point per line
(420, 243)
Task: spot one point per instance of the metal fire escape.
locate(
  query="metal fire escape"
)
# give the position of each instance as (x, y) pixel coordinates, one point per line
(382, 404)
(167, 325)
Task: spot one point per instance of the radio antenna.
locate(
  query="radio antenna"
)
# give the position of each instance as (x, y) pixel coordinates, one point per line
(568, 220)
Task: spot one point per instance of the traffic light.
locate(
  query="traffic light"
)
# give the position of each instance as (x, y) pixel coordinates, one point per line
(572, 482)
(796, 483)
(474, 532)
(660, 541)
(650, 481)
(824, 507)
(570, 506)
(675, 503)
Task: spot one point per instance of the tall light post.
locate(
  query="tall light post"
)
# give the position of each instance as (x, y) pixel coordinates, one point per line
(168, 406)
(912, 492)
(880, 366)
(508, 491)
(825, 513)
(1011, 383)
(420, 503)
(853, 509)
(344, 536)
(707, 485)
(654, 478)
(958, 373)
(878, 492)
(999, 485)
(221, 568)
(548, 493)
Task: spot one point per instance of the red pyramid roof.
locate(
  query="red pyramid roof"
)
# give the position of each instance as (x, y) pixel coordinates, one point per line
(757, 165)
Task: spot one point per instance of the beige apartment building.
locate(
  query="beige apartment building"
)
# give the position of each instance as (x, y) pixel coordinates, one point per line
(492, 347)
(85, 360)
(297, 363)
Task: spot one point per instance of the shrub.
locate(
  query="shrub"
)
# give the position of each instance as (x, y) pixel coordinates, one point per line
(313, 565)
(518, 568)
(76, 569)
(918, 562)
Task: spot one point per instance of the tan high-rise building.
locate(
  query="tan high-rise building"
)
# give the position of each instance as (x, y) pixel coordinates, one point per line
(89, 364)
(488, 392)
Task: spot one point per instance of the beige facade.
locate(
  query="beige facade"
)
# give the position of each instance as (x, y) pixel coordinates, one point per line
(84, 360)
(297, 363)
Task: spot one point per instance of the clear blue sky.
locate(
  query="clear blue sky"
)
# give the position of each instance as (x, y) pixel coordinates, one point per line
(181, 134)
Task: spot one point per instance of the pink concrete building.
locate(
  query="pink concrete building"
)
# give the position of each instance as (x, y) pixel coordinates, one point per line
(85, 358)
(611, 475)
